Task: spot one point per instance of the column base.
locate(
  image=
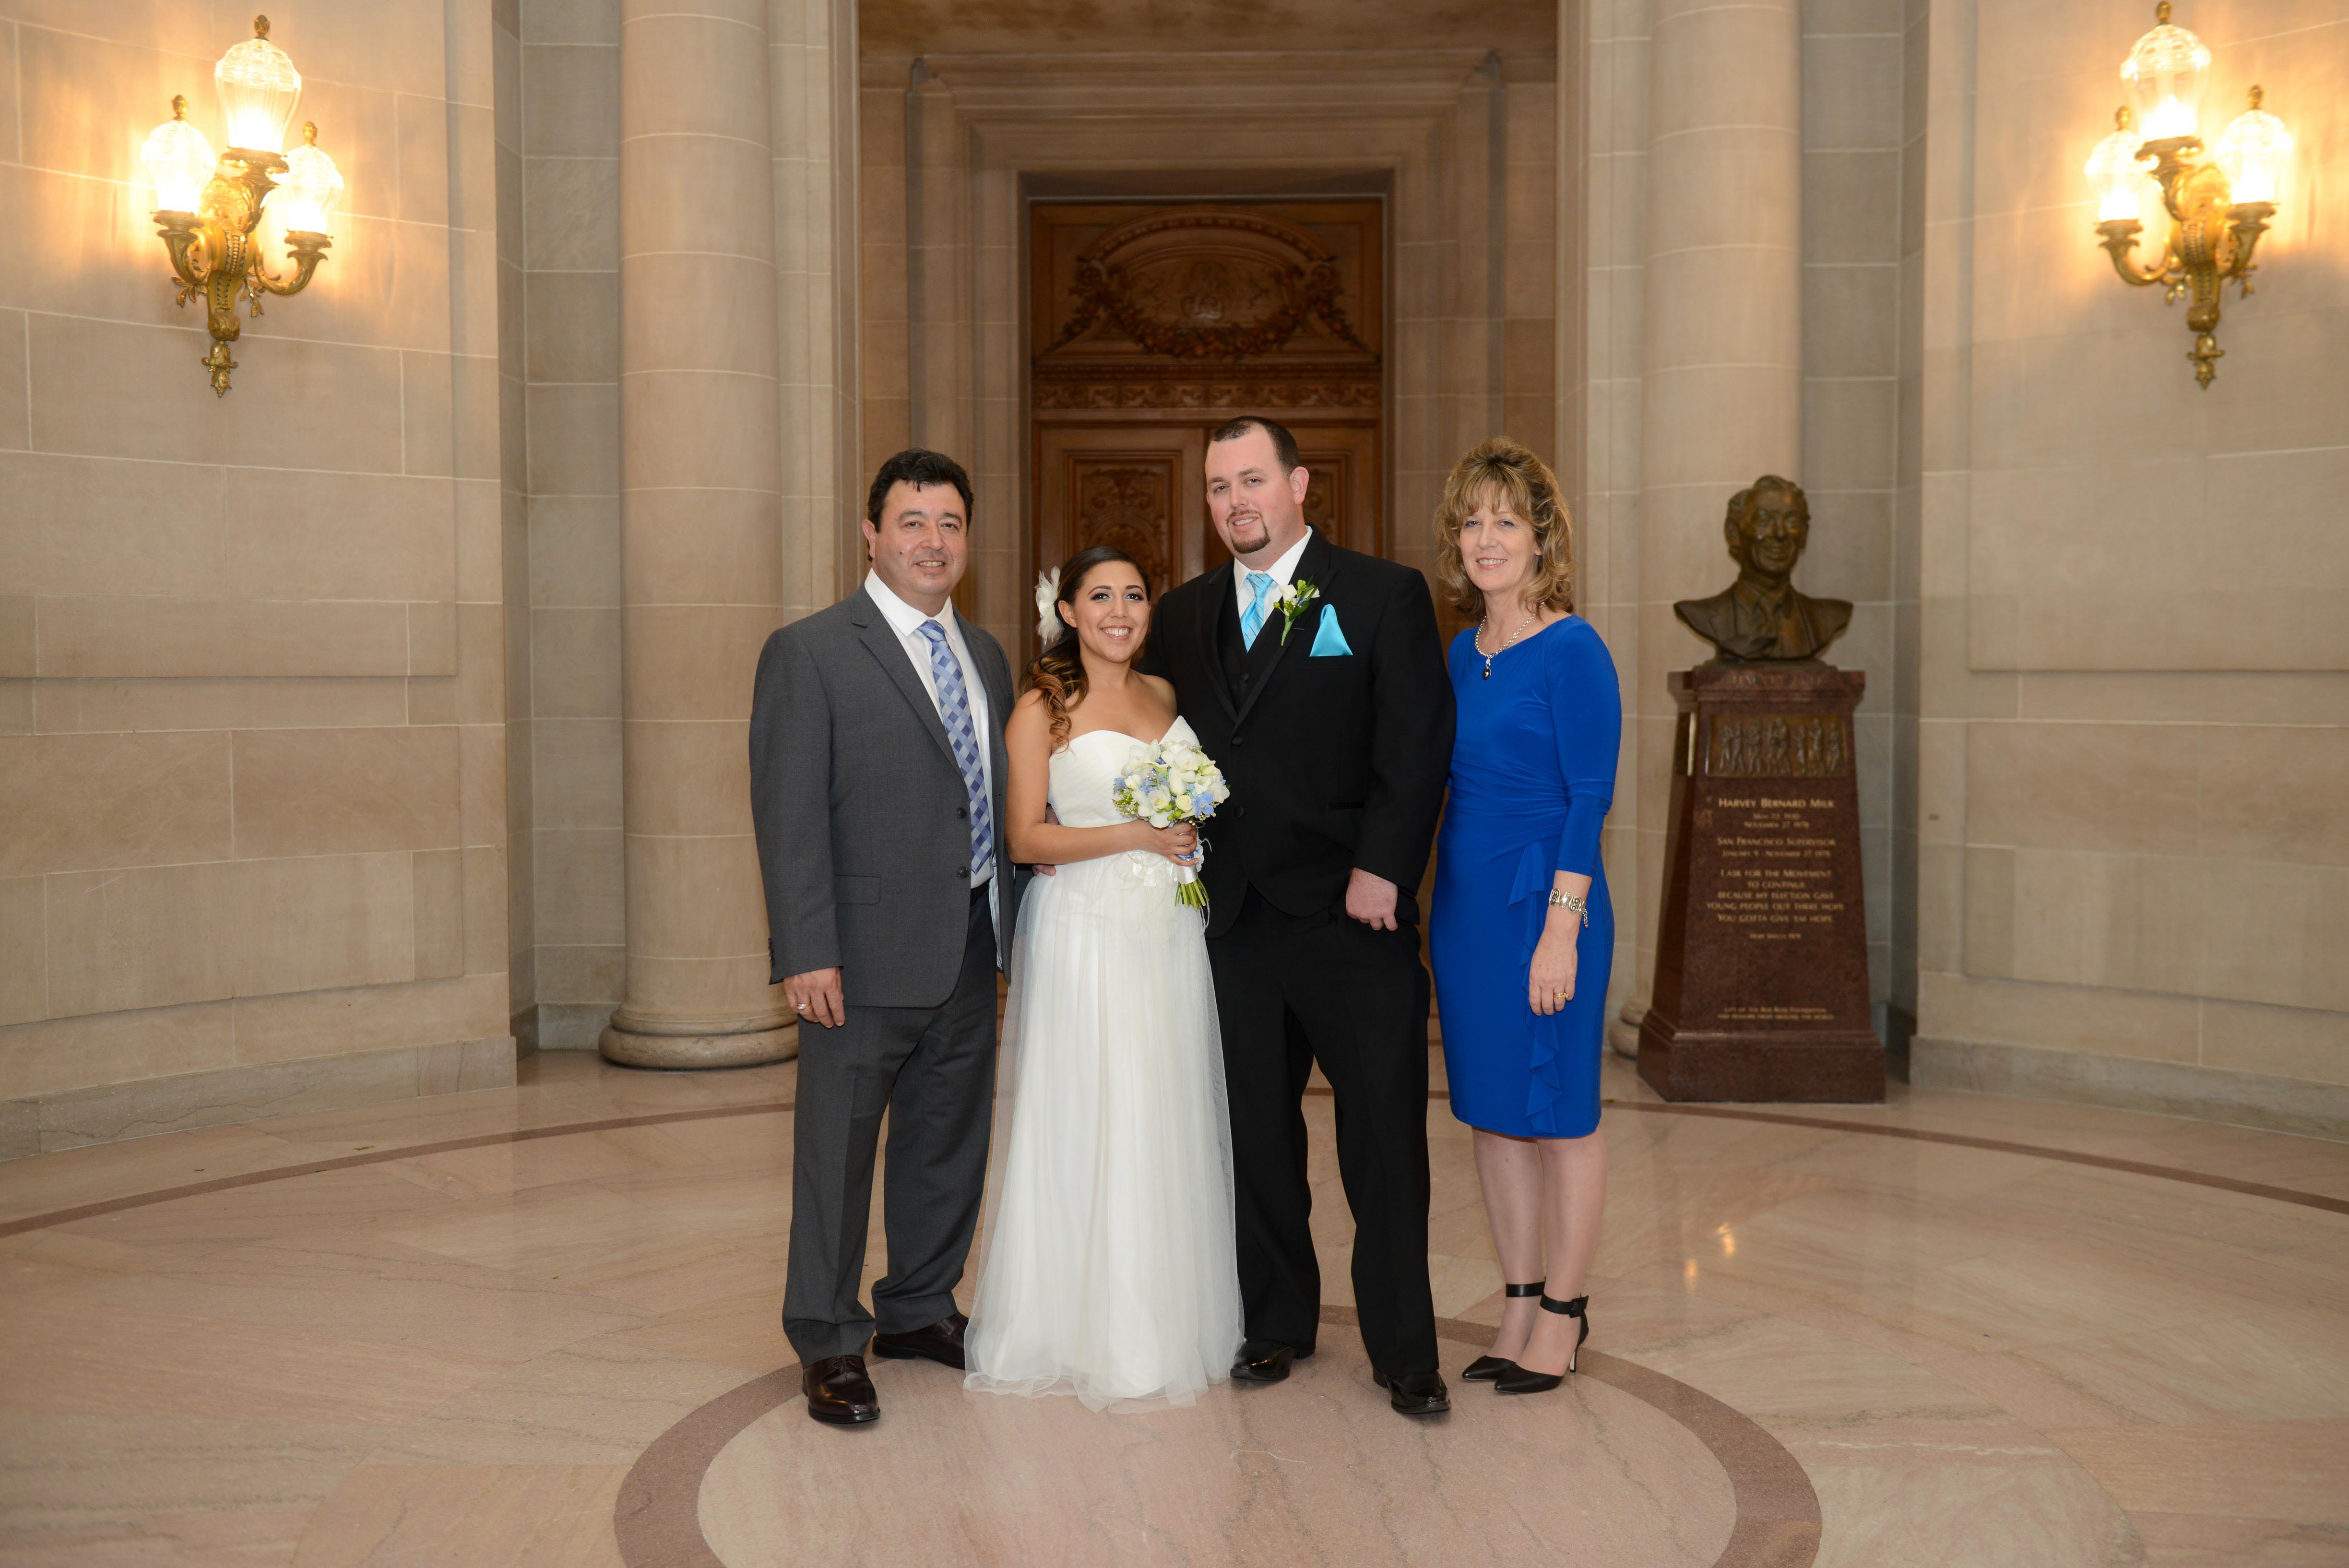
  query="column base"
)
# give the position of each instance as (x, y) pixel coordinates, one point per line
(686, 1043)
(1623, 1030)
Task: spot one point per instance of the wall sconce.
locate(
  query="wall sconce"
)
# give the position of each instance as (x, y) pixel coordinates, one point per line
(2218, 206)
(207, 211)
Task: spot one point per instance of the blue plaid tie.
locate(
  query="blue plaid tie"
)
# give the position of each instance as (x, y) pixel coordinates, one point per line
(953, 707)
(1252, 617)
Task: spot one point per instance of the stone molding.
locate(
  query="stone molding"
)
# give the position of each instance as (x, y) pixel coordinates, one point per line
(1237, 393)
(178, 1102)
(1419, 130)
(2131, 1084)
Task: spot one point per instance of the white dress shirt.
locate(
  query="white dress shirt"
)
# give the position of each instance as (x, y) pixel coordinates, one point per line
(906, 622)
(1281, 570)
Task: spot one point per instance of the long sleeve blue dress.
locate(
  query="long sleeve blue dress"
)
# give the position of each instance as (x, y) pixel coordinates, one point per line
(1533, 773)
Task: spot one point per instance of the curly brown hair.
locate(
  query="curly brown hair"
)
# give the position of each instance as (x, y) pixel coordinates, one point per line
(1502, 469)
(1058, 670)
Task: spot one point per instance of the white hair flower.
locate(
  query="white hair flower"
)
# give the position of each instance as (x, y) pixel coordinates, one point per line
(1047, 599)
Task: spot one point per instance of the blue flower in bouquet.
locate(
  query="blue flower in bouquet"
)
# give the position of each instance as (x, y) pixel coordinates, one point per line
(1171, 781)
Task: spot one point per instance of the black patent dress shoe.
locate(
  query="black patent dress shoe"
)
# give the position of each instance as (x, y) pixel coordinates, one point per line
(1415, 1393)
(839, 1392)
(1264, 1361)
(941, 1341)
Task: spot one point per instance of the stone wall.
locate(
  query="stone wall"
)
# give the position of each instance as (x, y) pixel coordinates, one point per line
(2103, 748)
(253, 753)
(314, 725)
(2133, 862)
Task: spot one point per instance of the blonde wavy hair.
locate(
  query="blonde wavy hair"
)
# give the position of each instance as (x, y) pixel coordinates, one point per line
(1500, 468)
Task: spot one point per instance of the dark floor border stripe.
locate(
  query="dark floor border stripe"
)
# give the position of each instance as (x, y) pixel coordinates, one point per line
(656, 1519)
(526, 1135)
(2000, 1146)
(378, 1156)
(1777, 1524)
(1964, 1140)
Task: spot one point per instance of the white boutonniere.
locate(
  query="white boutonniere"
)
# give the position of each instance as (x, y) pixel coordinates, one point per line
(1294, 601)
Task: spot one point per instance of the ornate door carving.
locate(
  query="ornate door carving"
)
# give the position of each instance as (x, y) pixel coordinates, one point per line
(1150, 325)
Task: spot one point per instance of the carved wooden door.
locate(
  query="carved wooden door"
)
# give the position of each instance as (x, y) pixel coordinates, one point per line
(1152, 325)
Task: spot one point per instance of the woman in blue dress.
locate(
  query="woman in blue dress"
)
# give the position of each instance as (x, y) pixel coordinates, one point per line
(1521, 929)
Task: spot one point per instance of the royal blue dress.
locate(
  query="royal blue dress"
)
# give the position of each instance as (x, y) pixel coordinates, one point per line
(1533, 773)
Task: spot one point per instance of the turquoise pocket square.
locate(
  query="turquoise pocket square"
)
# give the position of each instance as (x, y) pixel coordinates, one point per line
(1329, 641)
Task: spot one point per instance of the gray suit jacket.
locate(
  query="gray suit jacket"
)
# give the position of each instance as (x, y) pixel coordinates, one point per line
(863, 821)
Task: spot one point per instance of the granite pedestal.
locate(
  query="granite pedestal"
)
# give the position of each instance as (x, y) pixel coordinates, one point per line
(1761, 987)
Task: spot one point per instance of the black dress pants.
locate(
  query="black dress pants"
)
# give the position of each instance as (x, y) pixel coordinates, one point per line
(1297, 989)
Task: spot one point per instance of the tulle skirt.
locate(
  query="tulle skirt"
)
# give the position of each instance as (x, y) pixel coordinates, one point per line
(1110, 1271)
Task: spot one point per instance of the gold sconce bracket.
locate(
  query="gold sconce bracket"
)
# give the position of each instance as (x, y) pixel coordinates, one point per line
(215, 249)
(2211, 242)
(213, 253)
(2218, 199)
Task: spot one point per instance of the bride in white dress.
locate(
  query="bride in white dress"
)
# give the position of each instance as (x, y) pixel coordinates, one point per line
(1109, 1271)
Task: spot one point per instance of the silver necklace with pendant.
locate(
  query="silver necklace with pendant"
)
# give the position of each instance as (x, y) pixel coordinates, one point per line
(1505, 647)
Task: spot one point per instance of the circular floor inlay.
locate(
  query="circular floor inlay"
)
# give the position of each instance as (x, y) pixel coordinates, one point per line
(1622, 1458)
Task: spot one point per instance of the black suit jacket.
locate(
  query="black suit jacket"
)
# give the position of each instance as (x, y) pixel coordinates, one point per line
(863, 822)
(1334, 762)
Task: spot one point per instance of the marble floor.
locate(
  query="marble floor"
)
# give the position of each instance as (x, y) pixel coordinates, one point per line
(538, 1326)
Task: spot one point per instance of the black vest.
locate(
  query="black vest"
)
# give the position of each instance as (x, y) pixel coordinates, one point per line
(1243, 665)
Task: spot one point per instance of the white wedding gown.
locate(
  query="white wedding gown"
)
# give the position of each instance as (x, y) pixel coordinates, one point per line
(1110, 1271)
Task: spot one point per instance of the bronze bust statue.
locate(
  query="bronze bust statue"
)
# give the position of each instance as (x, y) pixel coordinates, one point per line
(1760, 617)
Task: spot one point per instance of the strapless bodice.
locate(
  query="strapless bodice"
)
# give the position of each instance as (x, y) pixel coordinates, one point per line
(1084, 771)
(1078, 779)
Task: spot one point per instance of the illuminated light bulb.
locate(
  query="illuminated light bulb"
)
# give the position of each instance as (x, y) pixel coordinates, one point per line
(258, 87)
(2168, 70)
(2254, 150)
(2115, 173)
(179, 161)
(311, 186)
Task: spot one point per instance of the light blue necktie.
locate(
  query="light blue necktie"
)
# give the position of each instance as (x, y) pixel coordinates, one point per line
(1252, 617)
(953, 707)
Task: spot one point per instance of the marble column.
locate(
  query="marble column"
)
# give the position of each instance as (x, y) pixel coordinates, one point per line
(701, 538)
(1720, 392)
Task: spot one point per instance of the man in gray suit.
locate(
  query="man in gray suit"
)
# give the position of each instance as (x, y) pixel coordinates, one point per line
(876, 785)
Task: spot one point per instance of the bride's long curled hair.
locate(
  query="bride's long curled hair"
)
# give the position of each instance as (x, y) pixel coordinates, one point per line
(1058, 671)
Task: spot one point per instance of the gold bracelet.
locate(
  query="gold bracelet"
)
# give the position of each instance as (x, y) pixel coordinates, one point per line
(1580, 905)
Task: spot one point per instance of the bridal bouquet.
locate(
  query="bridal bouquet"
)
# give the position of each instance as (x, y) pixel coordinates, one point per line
(1171, 782)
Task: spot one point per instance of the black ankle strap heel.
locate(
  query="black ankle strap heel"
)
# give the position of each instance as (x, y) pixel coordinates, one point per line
(1577, 1308)
(1517, 1380)
(1485, 1368)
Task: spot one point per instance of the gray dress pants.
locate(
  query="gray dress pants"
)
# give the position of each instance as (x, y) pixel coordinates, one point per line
(932, 1071)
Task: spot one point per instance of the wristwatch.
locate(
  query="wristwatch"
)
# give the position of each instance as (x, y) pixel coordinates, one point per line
(1580, 906)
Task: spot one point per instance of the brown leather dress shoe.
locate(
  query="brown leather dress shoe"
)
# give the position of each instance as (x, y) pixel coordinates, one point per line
(941, 1341)
(839, 1392)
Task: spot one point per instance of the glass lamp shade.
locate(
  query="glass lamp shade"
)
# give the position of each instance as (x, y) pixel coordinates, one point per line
(2166, 71)
(2254, 152)
(178, 164)
(2115, 173)
(309, 190)
(258, 87)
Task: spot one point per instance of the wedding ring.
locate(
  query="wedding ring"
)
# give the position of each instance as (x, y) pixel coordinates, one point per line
(799, 1007)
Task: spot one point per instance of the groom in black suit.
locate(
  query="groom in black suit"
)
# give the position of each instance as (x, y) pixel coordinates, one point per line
(1314, 676)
